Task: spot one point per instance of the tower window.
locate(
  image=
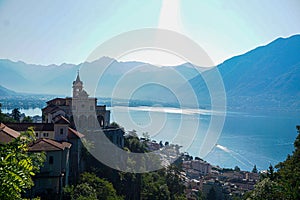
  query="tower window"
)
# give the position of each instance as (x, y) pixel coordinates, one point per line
(61, 131)
(51, 160)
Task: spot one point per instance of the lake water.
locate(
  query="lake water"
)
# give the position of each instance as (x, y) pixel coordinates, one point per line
(245, 140)
(261, 139)
(28, 112)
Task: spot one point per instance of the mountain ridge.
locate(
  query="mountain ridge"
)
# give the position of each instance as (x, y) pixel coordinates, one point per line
(6, 92)
(265, 75)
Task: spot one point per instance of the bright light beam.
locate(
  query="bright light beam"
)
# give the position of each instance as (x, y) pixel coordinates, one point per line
(170, 18)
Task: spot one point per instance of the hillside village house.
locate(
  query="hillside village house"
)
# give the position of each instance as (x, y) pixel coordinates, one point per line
(58, 137)
(59, 131)
(55, 172)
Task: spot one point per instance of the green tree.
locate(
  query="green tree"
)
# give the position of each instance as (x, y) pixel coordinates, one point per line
(114, 125)
(91, 187)
(133, 143)
(68, 192)
(270, 173)
(197, 158)
(154, 187)
(163, 192)
(84, 191)
(104, 189)
(27, 119)
(212, 194)
(4, 118)
(283, 184)
(288, 174)
(198, 195)
(267, 190)
(17, 166)
(237, 169)
(16, 115)
(174, 181)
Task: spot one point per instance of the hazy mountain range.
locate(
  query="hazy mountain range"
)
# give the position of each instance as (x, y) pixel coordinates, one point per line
(265, 77)
(6, 92)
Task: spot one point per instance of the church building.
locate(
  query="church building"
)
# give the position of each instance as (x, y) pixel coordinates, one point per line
(65, 122)
(83, 113)
(81, 108)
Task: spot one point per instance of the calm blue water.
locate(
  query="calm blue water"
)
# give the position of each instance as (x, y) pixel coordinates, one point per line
(255, 139)
(246, 139)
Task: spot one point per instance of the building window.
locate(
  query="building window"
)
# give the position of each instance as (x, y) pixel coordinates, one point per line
(61, 131)
(46, 134)
(51, 160)
(36, 134)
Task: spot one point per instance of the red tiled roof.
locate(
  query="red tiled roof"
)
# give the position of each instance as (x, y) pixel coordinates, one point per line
(55, 100)
(51, 109)
(36, 126)
(7, 134)
(48, 108)
(45, 144)
(73, 133)
(57, 108)
(62, 120)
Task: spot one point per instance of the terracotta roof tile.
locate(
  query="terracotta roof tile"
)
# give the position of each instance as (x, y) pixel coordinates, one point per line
(73, 133)
(44, 144)
(49, 108)
(36, 126)
(7, 134)
(62, 120)
(56, 108)
(55, 99)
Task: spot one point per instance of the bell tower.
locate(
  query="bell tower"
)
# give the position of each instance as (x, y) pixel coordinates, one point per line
(77, 86)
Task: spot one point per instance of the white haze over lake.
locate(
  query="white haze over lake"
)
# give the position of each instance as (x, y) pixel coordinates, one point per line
(28, 112)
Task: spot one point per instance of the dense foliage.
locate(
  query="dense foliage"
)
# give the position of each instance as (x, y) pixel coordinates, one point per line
(283, 184)
(17, 166)
(91, 187)
(162, 184)
(4, 118)
(15, 116)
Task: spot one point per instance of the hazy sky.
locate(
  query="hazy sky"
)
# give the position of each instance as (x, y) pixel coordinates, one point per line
(55, 31)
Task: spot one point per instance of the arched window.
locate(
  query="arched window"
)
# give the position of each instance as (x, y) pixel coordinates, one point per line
(101, 120)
